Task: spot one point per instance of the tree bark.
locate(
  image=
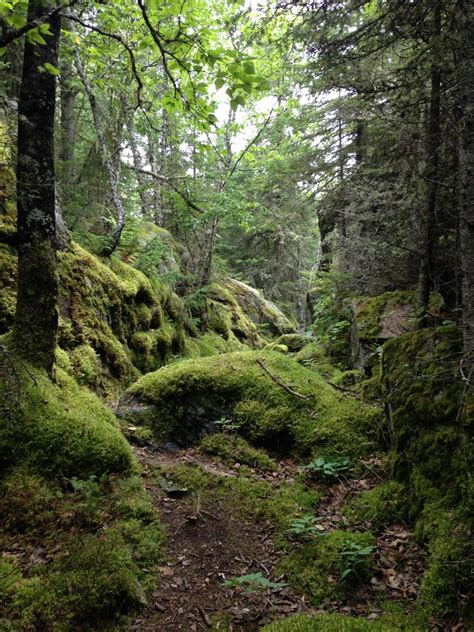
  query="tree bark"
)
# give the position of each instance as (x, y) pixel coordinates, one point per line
(466, 167)
(68, 118)
(36, 318)
(107, 159)
(146, 204)
(425, 277)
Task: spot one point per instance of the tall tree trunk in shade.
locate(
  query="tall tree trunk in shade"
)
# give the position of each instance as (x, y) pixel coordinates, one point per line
(425, 277)
(36, 318)
(466, 168)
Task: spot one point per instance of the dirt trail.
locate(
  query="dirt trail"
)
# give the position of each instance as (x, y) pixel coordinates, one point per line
(206, 546)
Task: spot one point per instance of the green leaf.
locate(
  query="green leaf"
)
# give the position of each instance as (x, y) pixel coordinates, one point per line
(51, 69)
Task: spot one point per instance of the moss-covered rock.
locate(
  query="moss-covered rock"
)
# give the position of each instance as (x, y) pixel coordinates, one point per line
(271, 398)
(423, 393)
(430, 421)
(60, 428)
(379, 318)
(258, 309)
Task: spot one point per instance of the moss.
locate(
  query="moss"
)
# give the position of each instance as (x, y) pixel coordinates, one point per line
(185, 399)
(98, 569)
(313, 356)
(380, 506)
(316, 568)
(210, 344)
(432, 455)
(258, 309)
(341, 623)
(7, 182)
(293, 342)
(369, 311)
(247, 495)
(226, 316)
(234, 449)
(60, 427)
(8, 263)
(422, 391)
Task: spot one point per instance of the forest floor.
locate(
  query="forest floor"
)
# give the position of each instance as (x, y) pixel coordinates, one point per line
(210, 541)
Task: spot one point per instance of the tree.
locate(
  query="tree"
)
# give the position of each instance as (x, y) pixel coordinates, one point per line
(466, 225)
(36, 317)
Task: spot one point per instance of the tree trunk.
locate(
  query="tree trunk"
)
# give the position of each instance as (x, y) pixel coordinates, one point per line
(425, 278)
(146, 204)
(466, 166)
(36, 318)
(108, 162)
(68, 118)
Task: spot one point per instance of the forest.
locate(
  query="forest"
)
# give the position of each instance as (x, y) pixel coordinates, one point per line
(236, 315)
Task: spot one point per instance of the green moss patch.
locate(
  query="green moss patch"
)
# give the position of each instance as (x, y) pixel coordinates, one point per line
(271, 398)
(244, 493)
(319, 568)
(341, 623)
(382, 505)
(98, 540)
(58, 427)
(234, 449)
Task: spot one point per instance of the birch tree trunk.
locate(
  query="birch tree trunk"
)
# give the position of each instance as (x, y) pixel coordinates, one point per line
(107, 159)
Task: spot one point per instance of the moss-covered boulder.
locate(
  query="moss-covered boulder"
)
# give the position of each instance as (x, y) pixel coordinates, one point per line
(57, 428)
(376, 319)
(226, 317)
(258, 309)
(431, 416)
(423, 394)
(272, 400)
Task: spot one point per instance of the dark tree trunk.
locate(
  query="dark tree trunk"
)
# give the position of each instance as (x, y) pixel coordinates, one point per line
(36, 318)
(466, 166)
(425, 278)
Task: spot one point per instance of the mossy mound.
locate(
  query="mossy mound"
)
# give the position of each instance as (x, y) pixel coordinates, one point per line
(380, 506)
(272, 400)
(293, 342)
(234, 449)
(59, 428)
(341, 623)
(99, 537)
(324, 569)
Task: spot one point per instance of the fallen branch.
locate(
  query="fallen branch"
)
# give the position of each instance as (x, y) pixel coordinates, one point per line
(279, 382)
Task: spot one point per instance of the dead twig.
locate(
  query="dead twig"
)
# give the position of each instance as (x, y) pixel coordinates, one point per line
(279, 382)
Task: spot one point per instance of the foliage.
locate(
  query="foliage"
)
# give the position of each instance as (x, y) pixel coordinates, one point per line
(354, 558)
(328, 468)
(253, 581)
(306, 526)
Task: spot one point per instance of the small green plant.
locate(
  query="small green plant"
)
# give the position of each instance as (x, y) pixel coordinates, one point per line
(253, 582)
(227, 425)
(354, 558)
(306, 526)
(328, 468)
